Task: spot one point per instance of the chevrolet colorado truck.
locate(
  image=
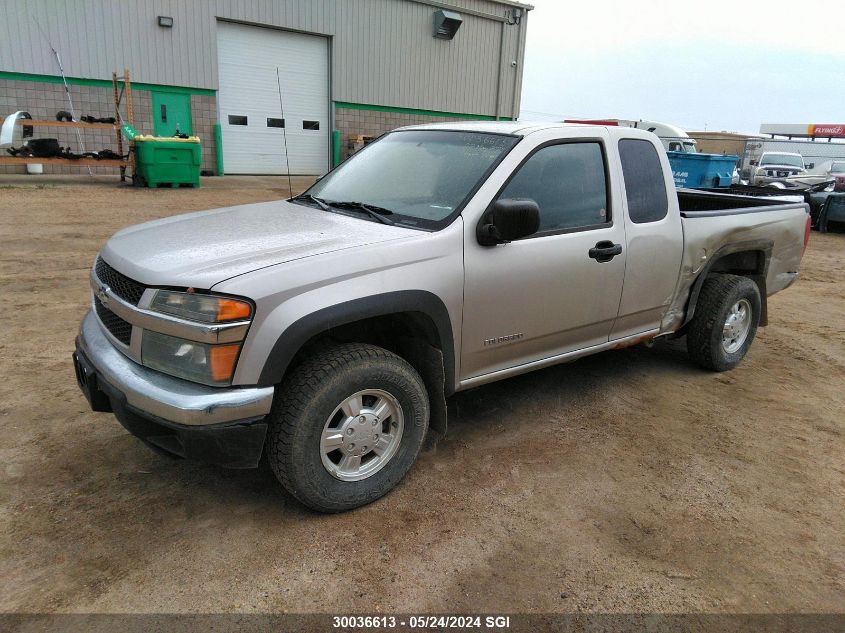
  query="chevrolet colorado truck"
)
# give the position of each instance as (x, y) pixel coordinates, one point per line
(324, 332)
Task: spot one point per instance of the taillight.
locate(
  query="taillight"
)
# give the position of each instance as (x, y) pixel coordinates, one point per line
(807, 227)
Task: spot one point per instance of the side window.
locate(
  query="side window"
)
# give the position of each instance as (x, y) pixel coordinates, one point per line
(568, 183)
(645, 186)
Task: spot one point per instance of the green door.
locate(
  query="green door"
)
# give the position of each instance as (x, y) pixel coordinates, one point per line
(172, 112)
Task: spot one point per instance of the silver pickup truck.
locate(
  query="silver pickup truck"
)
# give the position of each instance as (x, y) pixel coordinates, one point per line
(325, 332)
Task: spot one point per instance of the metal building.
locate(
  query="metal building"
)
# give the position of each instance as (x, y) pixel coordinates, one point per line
(268, 85)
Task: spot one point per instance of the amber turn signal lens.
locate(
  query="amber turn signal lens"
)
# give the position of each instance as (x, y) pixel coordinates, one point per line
(199, 307)
(231, 310)
(223, 359)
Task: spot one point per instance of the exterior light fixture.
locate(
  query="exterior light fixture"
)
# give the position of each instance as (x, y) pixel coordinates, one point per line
(165, 21)
(446, 24)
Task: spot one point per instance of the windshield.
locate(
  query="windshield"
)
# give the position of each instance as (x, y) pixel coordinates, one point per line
(791, 160)
(422, 176)
(687, 147)
(837, 167)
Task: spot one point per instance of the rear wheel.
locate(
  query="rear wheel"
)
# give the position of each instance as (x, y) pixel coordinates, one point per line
(725, 322)
(346, 427)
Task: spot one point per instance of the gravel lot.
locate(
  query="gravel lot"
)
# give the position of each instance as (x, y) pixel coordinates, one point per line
(628, 481)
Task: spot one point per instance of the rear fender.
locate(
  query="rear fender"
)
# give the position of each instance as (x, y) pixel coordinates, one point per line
(757, 271)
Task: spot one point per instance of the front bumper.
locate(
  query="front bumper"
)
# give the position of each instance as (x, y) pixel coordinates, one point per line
(218, 425)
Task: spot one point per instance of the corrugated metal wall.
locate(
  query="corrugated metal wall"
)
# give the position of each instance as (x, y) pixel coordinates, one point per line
(383, 51)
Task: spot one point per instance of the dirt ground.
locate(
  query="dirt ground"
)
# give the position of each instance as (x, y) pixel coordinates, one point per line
(630, 481)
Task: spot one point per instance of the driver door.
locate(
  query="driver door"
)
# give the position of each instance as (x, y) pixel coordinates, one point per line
(546, 295)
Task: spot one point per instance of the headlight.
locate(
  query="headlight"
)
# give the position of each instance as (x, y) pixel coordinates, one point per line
(199, 307)
(209, 364)
(199, 362)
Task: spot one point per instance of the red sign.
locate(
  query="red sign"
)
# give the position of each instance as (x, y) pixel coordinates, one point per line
(594, 122)
(828, 130)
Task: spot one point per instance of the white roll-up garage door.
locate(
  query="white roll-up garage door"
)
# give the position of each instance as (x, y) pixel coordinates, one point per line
(251, 118)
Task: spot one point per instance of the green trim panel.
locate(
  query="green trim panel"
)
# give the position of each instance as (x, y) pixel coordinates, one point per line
(218, 148)
(335, 148)
(381, 108)
(103, 83)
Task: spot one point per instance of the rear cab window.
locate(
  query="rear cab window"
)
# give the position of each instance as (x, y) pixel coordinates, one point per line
(645, 184)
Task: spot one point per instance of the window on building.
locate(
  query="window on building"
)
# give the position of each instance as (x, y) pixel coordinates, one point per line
(237, 119)
(568, 183)
(310, 125)
(645, 185)
(275, 122)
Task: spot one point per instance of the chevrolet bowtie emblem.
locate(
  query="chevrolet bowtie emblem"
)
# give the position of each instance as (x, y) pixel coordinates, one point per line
(103, 295)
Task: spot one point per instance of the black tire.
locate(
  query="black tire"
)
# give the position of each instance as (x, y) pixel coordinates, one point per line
(719, 294)
(304, 403)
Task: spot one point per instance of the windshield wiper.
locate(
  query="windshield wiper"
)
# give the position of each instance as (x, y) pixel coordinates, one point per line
(307, 197)
(372, 210)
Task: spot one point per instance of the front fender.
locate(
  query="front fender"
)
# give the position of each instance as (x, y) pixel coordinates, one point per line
(291, 340)
(311, 295)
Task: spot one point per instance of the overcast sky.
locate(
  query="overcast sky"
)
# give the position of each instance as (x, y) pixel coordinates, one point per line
(727, 65)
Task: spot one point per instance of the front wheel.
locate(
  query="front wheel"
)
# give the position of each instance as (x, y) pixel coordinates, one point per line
(346, 427)
(725, 322)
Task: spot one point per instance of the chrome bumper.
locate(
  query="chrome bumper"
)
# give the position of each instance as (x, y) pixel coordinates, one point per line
(170, 399)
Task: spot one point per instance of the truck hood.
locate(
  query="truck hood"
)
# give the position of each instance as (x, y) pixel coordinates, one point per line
(782, 167)
(204, 248)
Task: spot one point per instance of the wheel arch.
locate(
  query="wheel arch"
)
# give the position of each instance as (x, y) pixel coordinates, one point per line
(745, 259)
(413, 324)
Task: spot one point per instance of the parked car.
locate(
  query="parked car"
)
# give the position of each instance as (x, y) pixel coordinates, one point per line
(832, 212)
(837, 173)
(325, 331)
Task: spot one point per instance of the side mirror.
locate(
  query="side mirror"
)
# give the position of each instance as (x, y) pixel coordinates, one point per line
(507, 220)
(754, 163)
(810, 165)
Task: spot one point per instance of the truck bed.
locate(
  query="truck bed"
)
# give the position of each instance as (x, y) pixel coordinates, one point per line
(707, 203)
(715, 221)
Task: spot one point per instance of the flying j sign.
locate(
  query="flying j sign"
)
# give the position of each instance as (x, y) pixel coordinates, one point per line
(804, 130)
(826, 130)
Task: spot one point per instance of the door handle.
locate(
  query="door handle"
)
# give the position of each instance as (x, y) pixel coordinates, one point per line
(605, 250)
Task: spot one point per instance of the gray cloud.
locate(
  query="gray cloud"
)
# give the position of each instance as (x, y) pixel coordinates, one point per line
(670, 67)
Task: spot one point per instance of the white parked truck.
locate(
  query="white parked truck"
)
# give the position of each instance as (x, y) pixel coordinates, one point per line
(325, 331)
(774, 167)
(820, 154)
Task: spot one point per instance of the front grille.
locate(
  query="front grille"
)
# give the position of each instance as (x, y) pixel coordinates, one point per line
(127, 289)
(120, 329)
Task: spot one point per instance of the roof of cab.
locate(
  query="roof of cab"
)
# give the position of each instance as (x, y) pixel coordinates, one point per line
(524, 128)
(518, 128)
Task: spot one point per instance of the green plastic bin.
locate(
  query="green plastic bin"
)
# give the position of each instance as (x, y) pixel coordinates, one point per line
(167, 161)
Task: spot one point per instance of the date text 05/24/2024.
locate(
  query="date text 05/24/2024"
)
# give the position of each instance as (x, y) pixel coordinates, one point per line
(351, 622)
